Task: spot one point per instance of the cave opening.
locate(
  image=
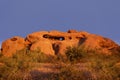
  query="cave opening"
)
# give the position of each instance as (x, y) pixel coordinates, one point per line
(54, 37)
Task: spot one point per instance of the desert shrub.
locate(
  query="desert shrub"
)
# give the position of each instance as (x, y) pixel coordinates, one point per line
(102, 66)
(104, 70)
(97, 66)
(69, 72)
(19, 65)
(14, 69)
(74, 54)
(33, 56)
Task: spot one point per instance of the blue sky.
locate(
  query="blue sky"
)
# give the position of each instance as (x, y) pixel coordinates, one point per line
(21, 17)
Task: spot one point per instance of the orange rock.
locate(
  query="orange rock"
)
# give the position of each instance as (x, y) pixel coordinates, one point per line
(55, 42)
(43, 46)
(10, 46)
(96, 42)
(61, 46)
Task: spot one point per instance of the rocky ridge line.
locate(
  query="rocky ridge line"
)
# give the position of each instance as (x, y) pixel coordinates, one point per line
(55, 42)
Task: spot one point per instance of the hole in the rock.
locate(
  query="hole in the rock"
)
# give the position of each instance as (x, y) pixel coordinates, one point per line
(61, 38)
(53, 37)
(70, 38)
(46, 36)
(13, 39)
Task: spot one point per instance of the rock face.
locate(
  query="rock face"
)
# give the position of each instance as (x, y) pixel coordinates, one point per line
(56, 42)
(10, 46)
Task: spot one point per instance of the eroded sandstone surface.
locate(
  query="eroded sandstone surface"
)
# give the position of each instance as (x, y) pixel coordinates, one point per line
(56, 42)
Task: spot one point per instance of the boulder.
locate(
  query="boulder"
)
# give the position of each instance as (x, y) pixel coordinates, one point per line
(10, 46)
(43, 46)
(99, 43)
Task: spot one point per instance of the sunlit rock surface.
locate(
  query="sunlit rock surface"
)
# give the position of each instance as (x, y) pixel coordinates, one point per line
(55, 42)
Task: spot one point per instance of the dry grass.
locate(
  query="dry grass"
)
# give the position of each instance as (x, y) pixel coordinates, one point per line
(79, 64)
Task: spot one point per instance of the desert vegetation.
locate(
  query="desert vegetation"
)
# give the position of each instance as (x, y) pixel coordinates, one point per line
(78, 64)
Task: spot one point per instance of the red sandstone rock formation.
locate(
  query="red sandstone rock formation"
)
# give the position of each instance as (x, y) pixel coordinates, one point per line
(55, 42)
(10, 46)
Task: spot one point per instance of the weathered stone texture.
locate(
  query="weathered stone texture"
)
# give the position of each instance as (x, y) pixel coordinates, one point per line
(10, 46)
(55, 42)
